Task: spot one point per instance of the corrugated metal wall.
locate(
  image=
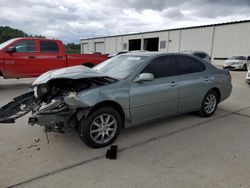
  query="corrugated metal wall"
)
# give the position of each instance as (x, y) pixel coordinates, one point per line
(231, 40)
(221, 41)
(197, 39)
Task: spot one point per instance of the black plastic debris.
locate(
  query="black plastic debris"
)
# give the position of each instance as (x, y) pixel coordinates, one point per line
(112, 153)
(17, 108)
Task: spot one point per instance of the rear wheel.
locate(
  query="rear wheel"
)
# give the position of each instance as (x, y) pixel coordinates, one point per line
(101, 128)
(209, 104)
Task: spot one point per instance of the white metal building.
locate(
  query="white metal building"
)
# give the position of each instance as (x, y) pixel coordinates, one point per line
(220, 41)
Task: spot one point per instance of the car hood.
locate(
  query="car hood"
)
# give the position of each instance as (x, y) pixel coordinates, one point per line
(229, 61)
(74, 72)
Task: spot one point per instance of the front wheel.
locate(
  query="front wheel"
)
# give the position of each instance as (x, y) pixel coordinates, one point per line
(101, 128)
(209, 104)
(244, 67)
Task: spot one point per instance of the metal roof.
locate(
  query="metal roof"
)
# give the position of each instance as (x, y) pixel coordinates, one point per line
(180, 28)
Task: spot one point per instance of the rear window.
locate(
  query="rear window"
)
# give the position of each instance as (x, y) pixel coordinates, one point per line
(187, 65)
(200, 55)
(48, 46)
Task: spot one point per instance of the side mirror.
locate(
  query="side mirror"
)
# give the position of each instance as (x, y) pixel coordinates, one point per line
(145, 77)
(11, 49)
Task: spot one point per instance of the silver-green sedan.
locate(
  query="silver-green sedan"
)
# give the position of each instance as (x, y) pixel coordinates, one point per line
(124, 91)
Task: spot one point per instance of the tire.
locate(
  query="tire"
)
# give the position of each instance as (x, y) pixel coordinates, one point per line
(244, 68)
(98, 122)
(209, 104)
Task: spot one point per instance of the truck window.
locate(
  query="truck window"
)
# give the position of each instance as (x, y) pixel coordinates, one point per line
(48, 46)
(25, 46)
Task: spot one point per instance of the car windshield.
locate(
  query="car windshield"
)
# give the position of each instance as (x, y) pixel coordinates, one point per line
(2, 45)
(238, 57)
(121, 66)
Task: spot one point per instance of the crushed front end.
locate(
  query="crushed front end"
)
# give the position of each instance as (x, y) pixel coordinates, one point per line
(51, 109)
(49, 99)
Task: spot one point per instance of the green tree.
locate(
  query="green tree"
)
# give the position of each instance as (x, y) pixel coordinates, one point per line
(72, 48)
(7, 33)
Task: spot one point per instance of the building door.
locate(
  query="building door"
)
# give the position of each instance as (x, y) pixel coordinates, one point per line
(134, 44)
(99, 47)
(151, 44)
(85, 48)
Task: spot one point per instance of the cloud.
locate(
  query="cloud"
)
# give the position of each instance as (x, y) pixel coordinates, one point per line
(72, 20)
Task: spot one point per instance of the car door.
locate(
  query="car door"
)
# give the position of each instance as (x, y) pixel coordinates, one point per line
(20, 63)
(158, 97)
(193, 81)
(50, 56)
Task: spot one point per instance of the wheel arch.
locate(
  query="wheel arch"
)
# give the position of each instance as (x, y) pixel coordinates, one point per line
(110, 103)
(88, 64)
(217, 92)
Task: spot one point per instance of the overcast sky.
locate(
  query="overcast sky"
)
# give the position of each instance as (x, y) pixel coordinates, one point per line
(70, 20)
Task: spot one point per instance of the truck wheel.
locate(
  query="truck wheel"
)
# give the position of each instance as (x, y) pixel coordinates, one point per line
(101, 128)
(209, 104)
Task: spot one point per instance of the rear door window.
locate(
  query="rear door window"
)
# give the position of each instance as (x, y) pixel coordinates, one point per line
(48, 46)
(187, 65)
(161, 67)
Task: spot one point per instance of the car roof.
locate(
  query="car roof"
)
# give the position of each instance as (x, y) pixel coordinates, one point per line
(150, 54)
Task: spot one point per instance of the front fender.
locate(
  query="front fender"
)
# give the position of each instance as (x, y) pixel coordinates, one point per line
(91, 98)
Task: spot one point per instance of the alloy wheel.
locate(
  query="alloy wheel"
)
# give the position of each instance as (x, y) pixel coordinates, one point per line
(103, 128)
(210, 103)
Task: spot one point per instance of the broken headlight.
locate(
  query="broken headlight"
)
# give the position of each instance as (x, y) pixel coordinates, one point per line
(40, 90)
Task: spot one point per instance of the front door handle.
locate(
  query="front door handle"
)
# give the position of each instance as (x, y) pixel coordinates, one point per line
(59, 57)
(32, 57)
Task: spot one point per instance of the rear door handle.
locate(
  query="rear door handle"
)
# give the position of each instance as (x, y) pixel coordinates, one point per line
(173, 84)
(32, 57)
(206, 78)
(59, 57)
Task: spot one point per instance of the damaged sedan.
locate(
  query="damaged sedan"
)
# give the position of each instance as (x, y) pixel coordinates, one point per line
(124, 91)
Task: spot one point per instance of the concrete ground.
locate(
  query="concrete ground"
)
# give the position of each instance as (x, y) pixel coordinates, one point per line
(183, 151)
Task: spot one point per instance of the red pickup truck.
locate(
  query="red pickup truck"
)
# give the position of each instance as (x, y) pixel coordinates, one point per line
(31, 57)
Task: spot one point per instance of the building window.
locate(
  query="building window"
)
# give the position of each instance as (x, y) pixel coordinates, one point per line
(163, 44)
(125, 46)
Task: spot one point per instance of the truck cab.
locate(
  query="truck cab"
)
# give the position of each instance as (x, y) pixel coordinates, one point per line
(31, 57)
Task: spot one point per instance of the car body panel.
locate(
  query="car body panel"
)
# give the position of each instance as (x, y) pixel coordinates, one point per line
(152, 99)
(74, 72)
(139, 101)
